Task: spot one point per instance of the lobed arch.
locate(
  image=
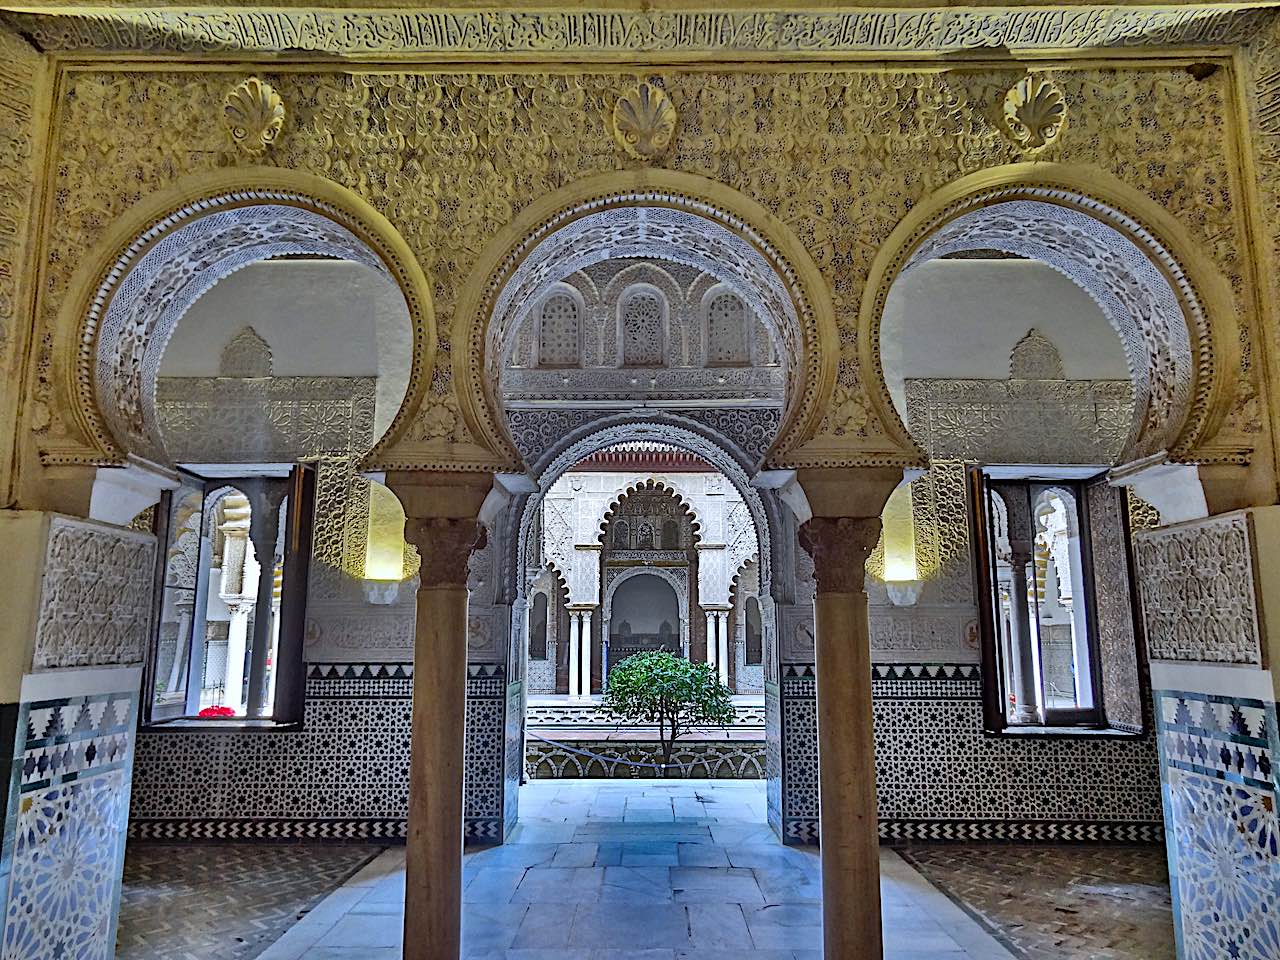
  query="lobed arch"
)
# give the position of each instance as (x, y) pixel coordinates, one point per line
(1170, 307)
(649, 214)
(164, 254)
(640, 486)
(663, 428)
(668, 576)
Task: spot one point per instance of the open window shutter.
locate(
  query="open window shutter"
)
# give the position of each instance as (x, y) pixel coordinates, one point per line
(1118, 658)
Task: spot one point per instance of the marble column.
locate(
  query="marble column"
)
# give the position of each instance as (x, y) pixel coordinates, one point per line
(1024, 662)
(584, 657)
(575, 651)
(722, 645)
(1021, 543)
(442, 513)
(846, 744)
(265, 498)
(237, 588)
(712, 646)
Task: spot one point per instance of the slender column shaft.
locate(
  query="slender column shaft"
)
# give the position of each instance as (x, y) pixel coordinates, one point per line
(722, 645)
(237, 641)
(433, 855)
(265, 497)
(712, 645)
(846, 746)
(263, 626)
(575, 650)
(584, 631)
(1028, 710)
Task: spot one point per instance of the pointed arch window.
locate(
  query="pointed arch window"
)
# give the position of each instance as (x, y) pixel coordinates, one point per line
(558, 332)
(641, 319)
(727, 331)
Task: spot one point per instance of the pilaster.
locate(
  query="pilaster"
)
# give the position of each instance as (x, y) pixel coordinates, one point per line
(1210, 600)
(72, 642)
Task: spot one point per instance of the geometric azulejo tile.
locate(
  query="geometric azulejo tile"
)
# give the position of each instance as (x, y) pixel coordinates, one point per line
(67, 858)
(1224, 867)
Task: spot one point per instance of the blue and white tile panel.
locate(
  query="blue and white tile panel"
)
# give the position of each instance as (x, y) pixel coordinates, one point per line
(67, 814)
(1219, 787)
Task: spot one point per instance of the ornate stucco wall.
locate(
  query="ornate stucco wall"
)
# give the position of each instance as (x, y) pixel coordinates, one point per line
(876, 164)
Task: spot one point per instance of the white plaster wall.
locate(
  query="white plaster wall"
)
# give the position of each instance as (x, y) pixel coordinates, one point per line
(961, 318)
(321, 318)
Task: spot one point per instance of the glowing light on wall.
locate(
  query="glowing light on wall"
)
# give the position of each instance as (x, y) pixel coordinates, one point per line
(385, 550)
(899, 537)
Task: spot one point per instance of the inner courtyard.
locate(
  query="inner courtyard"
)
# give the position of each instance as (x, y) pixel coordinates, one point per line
(633, 483)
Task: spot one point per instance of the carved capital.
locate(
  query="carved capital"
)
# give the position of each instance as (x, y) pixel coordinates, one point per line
(265, 497)
(445, 546)
(840, 547)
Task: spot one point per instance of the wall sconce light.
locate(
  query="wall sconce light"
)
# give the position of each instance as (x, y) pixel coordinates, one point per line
(904, 593)
(381, 592)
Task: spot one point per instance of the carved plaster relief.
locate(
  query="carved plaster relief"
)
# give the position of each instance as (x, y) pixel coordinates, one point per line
(265, 419)
(1197, 588)
(1021, 421)
(95, 596)
(556, 33)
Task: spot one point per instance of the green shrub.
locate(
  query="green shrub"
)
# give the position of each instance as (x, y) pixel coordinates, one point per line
(669, 691)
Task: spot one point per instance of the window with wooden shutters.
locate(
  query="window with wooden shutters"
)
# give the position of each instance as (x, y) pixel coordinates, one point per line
(1060, 647)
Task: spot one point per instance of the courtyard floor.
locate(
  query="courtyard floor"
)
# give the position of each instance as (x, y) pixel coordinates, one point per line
(645, 870)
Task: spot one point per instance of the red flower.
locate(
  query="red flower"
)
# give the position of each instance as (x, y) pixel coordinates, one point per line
(217, 711)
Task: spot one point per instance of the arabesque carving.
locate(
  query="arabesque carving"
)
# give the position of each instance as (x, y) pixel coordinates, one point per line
(445, 546)
(246, 355)
(495, 156)
(95, 596)
(19, 86)
(839, 548)
(626, 33)
(1196, 584)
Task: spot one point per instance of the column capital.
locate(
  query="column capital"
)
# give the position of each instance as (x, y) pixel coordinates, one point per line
(840, 547)
(265, 495)
(445, 546)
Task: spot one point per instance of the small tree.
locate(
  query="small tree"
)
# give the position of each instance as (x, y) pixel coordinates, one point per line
(674, 693)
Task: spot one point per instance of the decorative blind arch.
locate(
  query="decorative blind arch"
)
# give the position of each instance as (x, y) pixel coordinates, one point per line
(727, 330)
(641, 316)
(558, 332)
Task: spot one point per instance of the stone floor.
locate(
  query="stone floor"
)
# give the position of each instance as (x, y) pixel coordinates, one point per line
(603, 870)
(1060, 902)
(196, 901)
(686, 869)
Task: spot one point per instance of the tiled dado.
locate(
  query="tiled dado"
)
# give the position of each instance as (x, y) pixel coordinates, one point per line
(343, 776)
(68, 803)
(1220, 813)
(940, 777)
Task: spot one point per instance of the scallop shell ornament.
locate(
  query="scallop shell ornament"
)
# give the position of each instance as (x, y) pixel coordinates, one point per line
(644, 122)
(254, 115)
(1035, 111)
